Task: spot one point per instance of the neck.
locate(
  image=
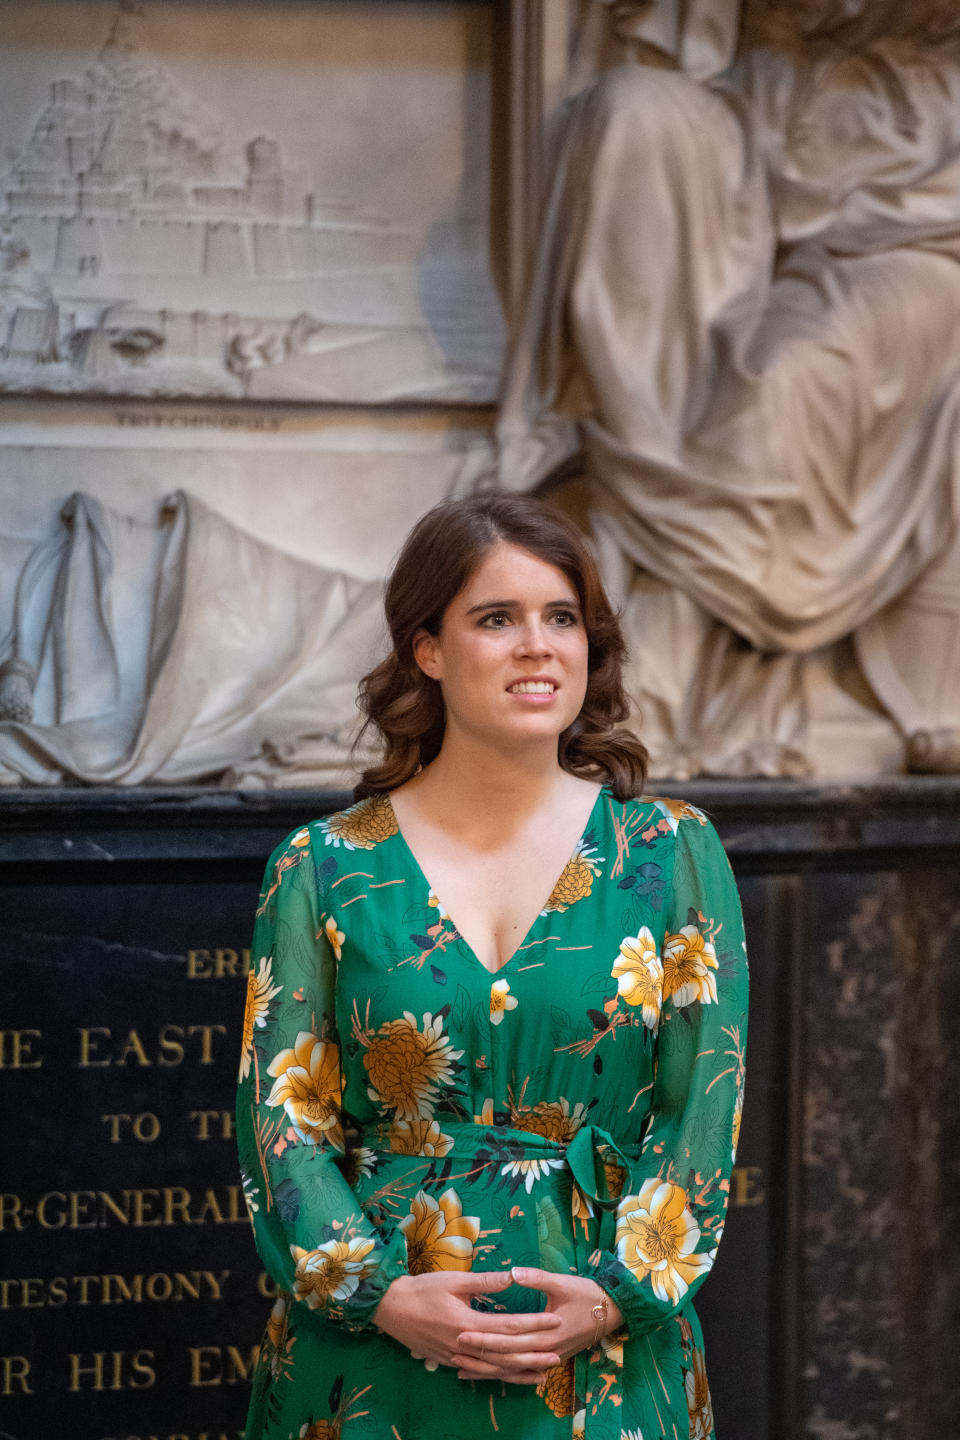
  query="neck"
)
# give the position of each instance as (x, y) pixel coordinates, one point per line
(482, 778)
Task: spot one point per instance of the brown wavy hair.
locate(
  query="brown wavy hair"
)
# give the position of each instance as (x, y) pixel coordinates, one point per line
(438, 557)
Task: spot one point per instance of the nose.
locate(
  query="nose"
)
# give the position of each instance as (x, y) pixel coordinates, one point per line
(533, 637)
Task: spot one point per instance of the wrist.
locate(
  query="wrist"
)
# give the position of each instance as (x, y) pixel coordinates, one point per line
(388, 1300)
(605, 1314)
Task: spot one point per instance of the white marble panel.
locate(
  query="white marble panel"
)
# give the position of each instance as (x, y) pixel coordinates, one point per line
(339, 489)
(225, 200)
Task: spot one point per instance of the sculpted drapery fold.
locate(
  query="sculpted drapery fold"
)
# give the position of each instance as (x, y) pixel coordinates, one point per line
(743, 313)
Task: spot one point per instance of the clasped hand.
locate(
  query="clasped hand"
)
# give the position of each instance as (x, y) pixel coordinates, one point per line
(432, 1316)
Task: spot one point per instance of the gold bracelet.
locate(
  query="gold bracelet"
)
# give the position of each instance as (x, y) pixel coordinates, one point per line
(599, 1314)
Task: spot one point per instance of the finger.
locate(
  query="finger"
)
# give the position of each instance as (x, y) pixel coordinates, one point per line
(535, 1279)
(529, 1323)
(522, 1377)
(481, 1282)
(496, 1342)
(522, 1360)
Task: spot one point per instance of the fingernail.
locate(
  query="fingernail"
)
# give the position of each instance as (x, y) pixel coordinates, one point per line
(519, 1274)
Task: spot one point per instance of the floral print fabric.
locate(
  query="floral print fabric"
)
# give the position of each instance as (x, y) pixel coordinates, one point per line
(403, 1110)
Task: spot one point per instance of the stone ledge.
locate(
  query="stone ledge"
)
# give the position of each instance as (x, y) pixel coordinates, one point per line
(765, 824)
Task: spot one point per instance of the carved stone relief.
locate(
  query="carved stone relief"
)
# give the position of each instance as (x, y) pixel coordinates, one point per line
(743, 319)
(215, 636)
(298, 211)
(740, 332)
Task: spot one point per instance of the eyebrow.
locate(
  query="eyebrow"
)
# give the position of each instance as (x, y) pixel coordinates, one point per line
(566, 604)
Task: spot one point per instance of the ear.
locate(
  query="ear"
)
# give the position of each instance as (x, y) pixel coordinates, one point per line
(426, 652)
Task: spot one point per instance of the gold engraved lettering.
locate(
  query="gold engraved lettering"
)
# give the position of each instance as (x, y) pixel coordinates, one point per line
(108, 1203)
(209, 1205)
(208, 1366)
(198, 1365)
(240, 1368)
(60, 1217)
(88, 1046)
(159, 1287)
(144, 1374)
(31, 1292)
(206, 1032)
(142, 1200)
(144, 1127)
(77, 1370)
(217, 964)
(171, 1046)
(218, 1121)
(112, 1370)
(216, 1282)
(81, 1202)
(746, 1186)
(266, 1285)
(228, 962)
(99, 1048)
(198, 964)
(16, 1050)
(133, 1046)
(15, 1369)
(83, 1283)
(140, 1209)
(57, 1292)
(133, 1291)
(176, 1201)
(10, 1207)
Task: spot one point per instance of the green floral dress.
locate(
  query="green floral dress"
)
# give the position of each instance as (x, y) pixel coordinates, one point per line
(402, 1109)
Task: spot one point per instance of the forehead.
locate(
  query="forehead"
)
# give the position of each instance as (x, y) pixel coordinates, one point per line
(508, 572)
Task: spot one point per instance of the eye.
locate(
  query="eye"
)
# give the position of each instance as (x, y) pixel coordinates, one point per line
(496, 620)
(565, 618)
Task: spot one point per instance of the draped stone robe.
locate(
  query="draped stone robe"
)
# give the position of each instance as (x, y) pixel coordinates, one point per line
(745, 311)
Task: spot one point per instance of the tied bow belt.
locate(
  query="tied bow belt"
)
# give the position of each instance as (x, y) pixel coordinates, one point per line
(584, 1157)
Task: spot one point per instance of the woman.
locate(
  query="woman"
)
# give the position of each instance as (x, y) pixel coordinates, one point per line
(487, 1118)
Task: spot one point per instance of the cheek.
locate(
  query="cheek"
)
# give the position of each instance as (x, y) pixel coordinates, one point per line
(472, 659)
(578, 653)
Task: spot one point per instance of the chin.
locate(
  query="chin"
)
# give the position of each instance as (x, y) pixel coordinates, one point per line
(542, 727)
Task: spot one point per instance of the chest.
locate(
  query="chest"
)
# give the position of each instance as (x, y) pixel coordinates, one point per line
(494, 896)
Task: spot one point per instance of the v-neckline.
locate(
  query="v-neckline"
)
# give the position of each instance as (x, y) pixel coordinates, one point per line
(472, 954)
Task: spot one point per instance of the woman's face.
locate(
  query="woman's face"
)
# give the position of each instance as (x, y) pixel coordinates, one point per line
(511, 655)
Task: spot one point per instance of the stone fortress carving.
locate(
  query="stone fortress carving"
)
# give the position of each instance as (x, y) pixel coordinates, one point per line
(142, 253)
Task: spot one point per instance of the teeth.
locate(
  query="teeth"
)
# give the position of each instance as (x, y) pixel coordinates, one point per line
(533, 687)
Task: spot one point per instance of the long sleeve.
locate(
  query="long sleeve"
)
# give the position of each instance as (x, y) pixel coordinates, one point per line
(669, 1225)
(311, 1233)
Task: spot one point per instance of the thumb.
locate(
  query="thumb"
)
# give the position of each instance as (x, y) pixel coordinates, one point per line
(481, 1282)
(535, 1279)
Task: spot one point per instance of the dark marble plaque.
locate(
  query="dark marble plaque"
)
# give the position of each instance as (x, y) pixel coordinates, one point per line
(130, 1289)
(130, 1294)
